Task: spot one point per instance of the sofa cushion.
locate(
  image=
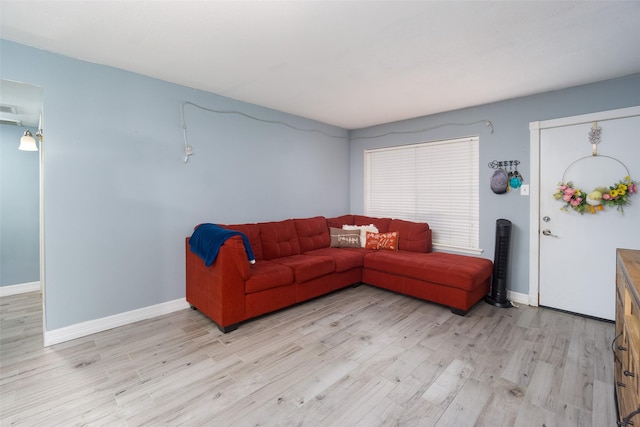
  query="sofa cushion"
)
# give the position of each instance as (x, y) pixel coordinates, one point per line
(344, 238)
(252, 231)
(313, 233)
(459, 271)
(344, 259)
(279, 239)
(413, 236)
(388, 241)
(363, 229)
(339, 221)
(307, 267)
(267, 275)
(382, 224)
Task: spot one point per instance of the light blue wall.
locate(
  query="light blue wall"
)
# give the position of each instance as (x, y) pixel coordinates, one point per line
(119, 200)
(19, 209)
(510, 140)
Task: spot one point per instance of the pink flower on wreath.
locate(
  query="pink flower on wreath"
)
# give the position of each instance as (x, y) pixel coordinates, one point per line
(566, 197)
(576, 202)
(606, 196)
(563, 187)
(632, 188)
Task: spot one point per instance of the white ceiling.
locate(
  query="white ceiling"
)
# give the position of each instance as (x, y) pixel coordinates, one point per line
(349, 63)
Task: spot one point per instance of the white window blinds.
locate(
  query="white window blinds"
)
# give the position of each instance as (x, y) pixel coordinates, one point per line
(434, 182)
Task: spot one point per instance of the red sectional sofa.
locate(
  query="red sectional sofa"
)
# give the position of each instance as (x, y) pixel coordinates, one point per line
(295, 262)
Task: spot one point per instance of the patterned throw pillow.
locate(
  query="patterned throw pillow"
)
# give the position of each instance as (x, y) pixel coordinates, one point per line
(387, 241)
(363, 231)
(344, 238)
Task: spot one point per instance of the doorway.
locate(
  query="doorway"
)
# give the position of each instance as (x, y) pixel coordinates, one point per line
(22, 195)
(572, 255)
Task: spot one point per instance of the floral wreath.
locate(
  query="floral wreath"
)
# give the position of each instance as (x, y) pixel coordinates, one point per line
(617, 195)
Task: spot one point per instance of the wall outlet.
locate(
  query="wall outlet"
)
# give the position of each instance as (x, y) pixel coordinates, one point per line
(524, 190)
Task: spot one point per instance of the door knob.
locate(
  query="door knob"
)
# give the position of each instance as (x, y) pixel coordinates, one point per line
(548, 232)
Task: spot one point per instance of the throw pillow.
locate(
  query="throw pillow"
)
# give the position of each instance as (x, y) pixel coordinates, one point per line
(344, 238)
(387, 241)
(363, 231)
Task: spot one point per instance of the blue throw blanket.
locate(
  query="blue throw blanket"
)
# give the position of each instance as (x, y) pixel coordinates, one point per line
(207, 239)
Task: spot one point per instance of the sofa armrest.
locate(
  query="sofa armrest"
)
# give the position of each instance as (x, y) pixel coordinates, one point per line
(429, 241)
(218, 291)
(234, 252)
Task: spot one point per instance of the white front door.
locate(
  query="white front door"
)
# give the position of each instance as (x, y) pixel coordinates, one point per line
(577, 252)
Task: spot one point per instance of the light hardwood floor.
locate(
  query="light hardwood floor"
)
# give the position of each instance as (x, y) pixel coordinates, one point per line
(359, 357)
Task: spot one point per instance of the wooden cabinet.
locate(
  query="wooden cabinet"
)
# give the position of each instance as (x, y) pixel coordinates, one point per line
(626, 346)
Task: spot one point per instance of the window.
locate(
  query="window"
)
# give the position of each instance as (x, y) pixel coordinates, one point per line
(433, 182)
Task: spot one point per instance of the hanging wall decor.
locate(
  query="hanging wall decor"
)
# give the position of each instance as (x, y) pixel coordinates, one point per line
(506, 176)
(615, 195)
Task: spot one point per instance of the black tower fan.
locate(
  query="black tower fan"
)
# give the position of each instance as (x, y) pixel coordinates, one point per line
(498, 295)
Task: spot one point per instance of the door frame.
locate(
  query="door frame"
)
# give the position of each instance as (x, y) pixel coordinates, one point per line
(535, 129)
(43, 295)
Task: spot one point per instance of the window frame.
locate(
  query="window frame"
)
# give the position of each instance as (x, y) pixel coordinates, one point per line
(451, 238)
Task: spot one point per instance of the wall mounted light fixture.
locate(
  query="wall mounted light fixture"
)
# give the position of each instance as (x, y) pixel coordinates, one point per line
(27, 142)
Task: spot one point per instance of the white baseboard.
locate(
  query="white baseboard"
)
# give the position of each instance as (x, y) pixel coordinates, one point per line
(90, 327)
(21, 288)
(518, 297)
